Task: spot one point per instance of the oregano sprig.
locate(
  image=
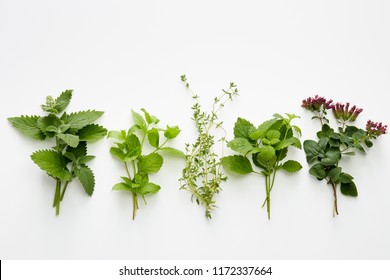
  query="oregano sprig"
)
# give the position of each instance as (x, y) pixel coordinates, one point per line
(68, 159)
(326, 153)
(129, 149)
(202, 175)
(266, 146)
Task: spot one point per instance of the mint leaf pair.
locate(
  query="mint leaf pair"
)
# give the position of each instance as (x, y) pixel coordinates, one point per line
(68, 159)
(266, 147)
(129, 150)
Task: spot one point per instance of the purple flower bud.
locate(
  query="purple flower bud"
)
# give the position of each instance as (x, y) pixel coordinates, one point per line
(317, 103)
(375, 129)
(342, 112)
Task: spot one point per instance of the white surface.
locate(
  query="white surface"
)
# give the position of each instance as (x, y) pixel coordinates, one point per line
(123, 55)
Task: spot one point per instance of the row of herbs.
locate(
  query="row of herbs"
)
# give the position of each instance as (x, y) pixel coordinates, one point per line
(261, 150)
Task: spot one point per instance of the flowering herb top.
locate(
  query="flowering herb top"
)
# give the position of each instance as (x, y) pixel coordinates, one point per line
(325, 153)
(68, 159)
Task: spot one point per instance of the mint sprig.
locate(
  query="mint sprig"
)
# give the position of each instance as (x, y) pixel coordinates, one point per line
(129, 148)
(68, 159)
(324, 155)
(266, 147)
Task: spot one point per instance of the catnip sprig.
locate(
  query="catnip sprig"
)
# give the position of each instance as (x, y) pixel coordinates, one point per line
(326, 153)
(68, 159)
(202, 175)
(267, 147)
(129, 150)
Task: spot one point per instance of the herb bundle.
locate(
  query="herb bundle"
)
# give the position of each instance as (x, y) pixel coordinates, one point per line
(68, 159)
(266, 146)
(129, 150)
(202, 175)
(326, 152)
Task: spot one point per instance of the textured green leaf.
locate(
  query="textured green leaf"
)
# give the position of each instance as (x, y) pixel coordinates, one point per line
(28, 126)
(312, 150)
(272, 135)
(267, 153)
(63, 100)
(53, 163)
(81, 119)
(292, 166)
(139, 120)
(171, 132)
(85, 159)
(92, 133)
(265, 126)
(345, 178)
(334, 174)
(69, 139)
(150, 163)
(86, 178)
(153, 137)
(127, 181)
(79, 151)
(293, 141)
(237, 164)
(148, 118)
(349, 189)
(49, 121)
(240, 145)
(332, 156)
(318, 171)
(172, 151)
(121, 187)
(133, 146)
(118, 153)
(118, 135)
(243, 128)
(148, 188)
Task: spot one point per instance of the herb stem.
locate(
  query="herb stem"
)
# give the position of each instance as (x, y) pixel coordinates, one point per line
(335, 210)
(64, 190)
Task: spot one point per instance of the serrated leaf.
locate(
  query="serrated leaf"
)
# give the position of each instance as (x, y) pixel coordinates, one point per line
(292, 141)
(265, 126)
(349, 189)
(121, 187)
(318, 171)
(118, 153)
(79, 151)
(172, 151)
(272, 135)
(150, 163)
(139, 120)
(243, 129)
(92, 133)
(148, 188)
(81, 119)
(49, 121)
(86, 178)
(153, 137)
(85, 159)
(237, 164)
(240, 145)
(69, 139)
(297, 129)
(171, 132)
(63, 100)
(292, 166)
(28, 126)
(53, 163)
(118, 135)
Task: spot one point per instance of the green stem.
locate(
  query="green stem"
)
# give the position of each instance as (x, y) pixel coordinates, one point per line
(268, 193)
(135, 205)
(64, 190)
(127, 170)
(335, 210)
(57, 197)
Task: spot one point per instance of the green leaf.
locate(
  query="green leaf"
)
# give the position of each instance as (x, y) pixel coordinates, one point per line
(267, 153)
(349, 189)
(28, 126)
(334, 174)
(240, 145)
(139, 120)
(171, 132)
(265, 126)
(133, 146)
(53, 163)
(153, 137)
(297, 129)
(79, 151)
(345, 178)
(92, 133)
(118, 153)
(272, 135)
(172, 151)
(63, 100)
(48, 122)
(243, 128)
(312, 150)
(332, 156)
(86, 178)
(237, 164)
(118, 135)
(293, 141)
(149, 118)
(150, 163)
(85, 159)
(127, 181)
(368, 143)
(292, 166)
(69, 139)
(121, 187)
(318, 171)
(148, 188)
(81, 119)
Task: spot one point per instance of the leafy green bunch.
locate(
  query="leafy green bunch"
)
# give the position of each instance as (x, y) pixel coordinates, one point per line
(326, 153)
(129, 150)
(266, 146)
(68, 159)
(202, 175)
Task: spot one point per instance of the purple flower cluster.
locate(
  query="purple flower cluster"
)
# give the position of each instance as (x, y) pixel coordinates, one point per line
(343, 112)
(375, 129)
(317, 103)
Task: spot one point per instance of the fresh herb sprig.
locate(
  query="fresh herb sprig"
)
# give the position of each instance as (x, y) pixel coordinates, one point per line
(326, 153)
(68, 159)
(202, 175)
(267, 147)
(138, 166)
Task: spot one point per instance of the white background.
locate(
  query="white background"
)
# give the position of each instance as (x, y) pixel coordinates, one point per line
(123, 55)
